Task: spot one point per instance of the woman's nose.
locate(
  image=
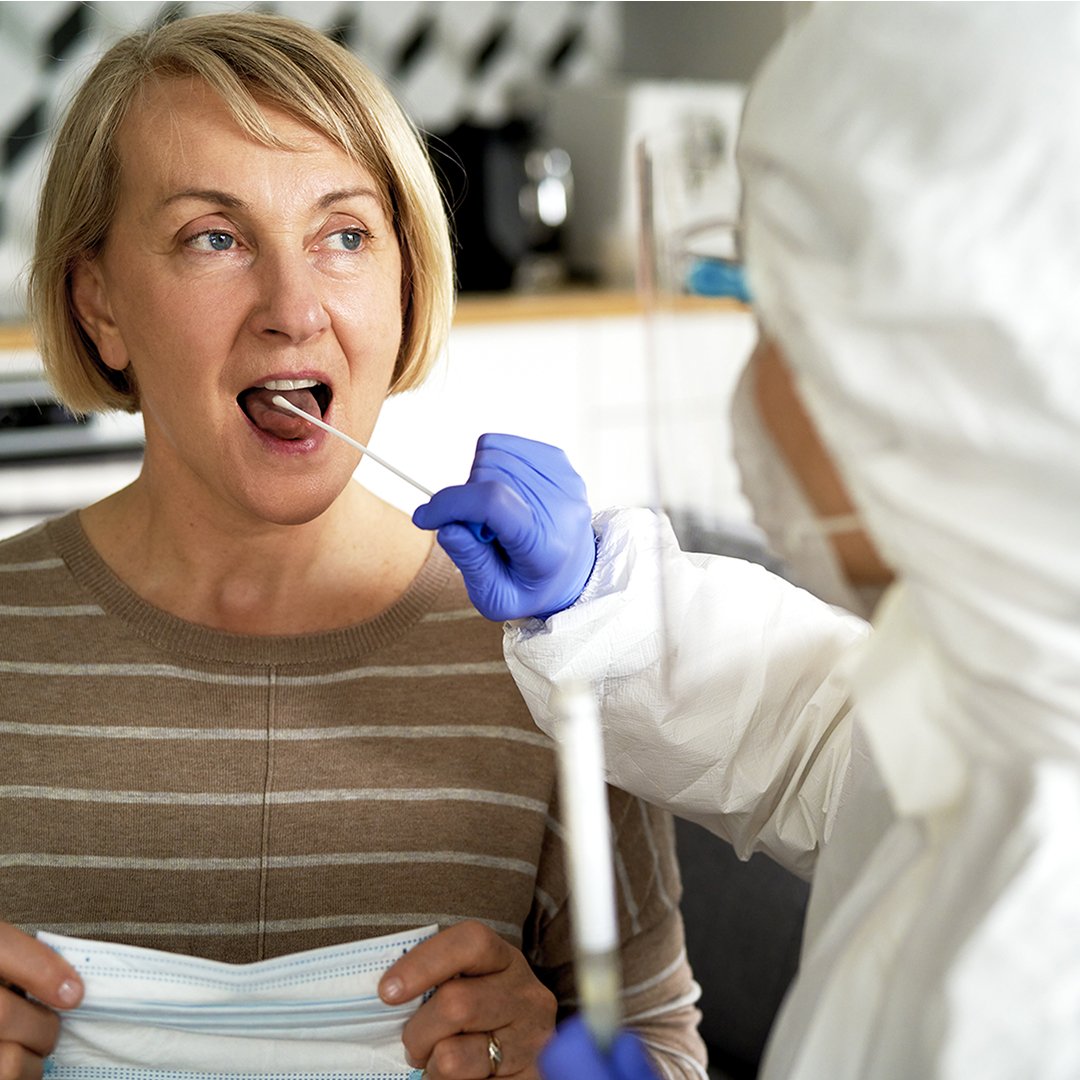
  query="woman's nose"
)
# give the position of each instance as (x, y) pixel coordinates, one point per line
(289, 303)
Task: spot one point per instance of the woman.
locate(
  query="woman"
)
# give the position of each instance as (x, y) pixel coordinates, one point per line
(250, 709)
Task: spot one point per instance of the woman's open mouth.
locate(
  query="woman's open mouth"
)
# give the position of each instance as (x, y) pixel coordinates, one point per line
(307, 394)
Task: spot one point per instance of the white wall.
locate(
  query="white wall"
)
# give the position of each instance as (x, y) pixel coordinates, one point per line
(673, 39)
(584, 385)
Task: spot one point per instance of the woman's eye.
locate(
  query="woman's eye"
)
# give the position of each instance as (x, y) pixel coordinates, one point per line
(349, 239)
(212, 241)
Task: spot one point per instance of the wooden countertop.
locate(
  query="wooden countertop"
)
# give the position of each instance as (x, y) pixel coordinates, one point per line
(15, 337)
(580, 303)
(474, 309)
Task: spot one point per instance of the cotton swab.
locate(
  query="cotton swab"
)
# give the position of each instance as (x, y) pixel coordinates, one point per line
(284, 403)
(480, 531)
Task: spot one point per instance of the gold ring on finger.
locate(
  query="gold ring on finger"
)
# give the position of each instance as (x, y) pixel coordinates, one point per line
(494, 1053)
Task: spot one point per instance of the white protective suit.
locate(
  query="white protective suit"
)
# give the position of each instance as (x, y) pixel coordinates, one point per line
(912, 184)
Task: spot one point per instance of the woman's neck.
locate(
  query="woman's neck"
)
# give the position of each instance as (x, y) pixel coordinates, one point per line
(255, 577)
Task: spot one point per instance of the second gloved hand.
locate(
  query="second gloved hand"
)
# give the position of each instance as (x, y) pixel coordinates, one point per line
(527, 494)
(572, 1055)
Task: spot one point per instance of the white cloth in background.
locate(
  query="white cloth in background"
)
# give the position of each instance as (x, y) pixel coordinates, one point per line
(910, 200)
(314, 1014)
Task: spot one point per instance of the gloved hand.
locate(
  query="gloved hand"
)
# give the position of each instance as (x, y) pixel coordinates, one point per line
(527, 494)
(572, 1055)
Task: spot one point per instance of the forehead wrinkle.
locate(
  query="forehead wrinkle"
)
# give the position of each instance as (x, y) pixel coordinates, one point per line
(171, 153)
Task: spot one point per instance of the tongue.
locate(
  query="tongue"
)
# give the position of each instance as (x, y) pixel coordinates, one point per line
(269, 418)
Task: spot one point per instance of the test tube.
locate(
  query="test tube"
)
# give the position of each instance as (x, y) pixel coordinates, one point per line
(593, 918)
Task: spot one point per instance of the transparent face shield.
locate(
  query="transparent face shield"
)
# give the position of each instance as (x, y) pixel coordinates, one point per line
(719, 473)
(699, 333)
(692, 475)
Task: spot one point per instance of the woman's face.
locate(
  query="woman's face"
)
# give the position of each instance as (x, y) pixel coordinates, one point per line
(233, 270)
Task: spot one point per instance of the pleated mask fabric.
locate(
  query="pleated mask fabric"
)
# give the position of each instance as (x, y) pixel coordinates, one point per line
(312, 1015)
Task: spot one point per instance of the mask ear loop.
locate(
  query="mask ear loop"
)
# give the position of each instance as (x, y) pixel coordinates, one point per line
(837, 525)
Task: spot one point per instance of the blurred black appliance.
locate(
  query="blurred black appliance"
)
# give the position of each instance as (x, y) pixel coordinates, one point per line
(34, 425)
(52, 461)
(509, 198)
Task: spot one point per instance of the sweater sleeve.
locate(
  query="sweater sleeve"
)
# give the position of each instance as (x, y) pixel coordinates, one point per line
(721, 686)
(659, 993)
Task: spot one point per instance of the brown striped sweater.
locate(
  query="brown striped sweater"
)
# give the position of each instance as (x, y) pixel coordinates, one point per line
(239, 797)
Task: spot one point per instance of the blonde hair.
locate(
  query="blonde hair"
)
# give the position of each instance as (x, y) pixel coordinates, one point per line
(249, 60)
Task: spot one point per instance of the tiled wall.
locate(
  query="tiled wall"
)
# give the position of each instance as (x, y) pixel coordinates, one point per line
(481, 61)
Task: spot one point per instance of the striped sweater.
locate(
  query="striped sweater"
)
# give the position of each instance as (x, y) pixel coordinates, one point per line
(239, 797)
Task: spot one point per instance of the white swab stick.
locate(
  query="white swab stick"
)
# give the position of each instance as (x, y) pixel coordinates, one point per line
(284, 403)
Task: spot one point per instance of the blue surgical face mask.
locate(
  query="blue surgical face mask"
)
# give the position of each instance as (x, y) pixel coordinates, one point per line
(313, 1015)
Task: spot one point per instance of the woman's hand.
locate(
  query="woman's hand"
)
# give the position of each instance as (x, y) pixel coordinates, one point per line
(28, 1030)
(485, 991)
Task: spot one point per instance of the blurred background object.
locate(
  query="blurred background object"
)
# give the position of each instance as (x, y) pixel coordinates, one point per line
(511, 196)
(490, 66)
(599, 127)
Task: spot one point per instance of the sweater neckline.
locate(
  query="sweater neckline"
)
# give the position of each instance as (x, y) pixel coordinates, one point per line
(176, 635)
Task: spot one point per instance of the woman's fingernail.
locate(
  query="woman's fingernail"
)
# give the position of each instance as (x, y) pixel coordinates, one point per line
(69, 992)
(393, 989)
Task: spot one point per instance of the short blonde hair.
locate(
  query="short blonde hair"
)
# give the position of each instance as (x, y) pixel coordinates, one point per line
(249, 60)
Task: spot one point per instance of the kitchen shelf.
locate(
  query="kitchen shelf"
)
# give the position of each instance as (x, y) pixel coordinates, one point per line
(580, 303)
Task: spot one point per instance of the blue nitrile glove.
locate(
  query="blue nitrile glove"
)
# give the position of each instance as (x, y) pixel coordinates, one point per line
(527, 494)
(572, 1055)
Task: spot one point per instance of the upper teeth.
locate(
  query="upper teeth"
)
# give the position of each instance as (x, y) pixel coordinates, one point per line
(289, 384)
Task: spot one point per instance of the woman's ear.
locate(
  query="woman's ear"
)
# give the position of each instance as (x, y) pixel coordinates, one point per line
(91, 299)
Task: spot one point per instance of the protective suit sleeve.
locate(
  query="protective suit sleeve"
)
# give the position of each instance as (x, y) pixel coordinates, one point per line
(718, 683)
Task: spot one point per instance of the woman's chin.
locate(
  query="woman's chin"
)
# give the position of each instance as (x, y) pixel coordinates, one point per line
(293, 504)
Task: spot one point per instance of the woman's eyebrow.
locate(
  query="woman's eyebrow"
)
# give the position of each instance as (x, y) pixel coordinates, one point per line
(333, 197)
(223, 198)
(210, 195)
